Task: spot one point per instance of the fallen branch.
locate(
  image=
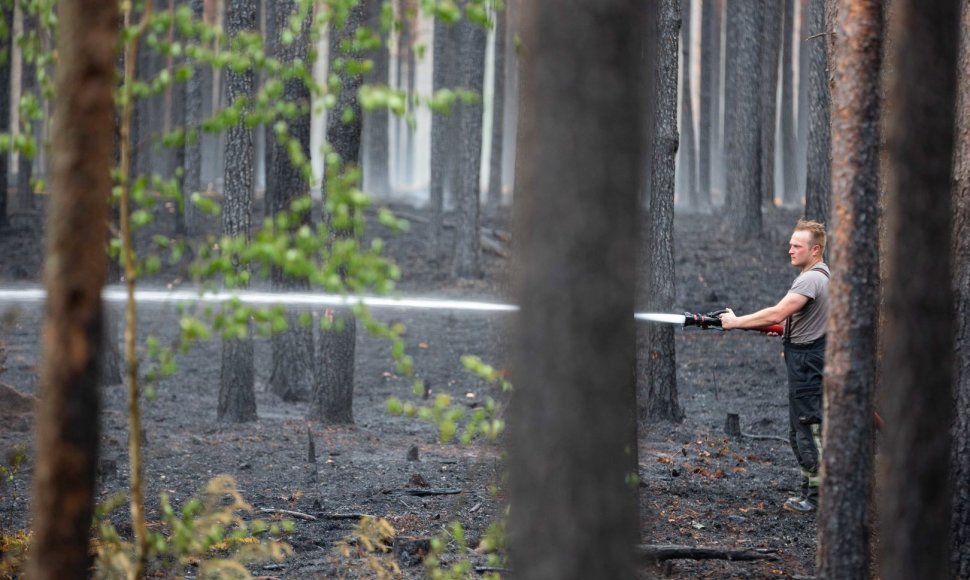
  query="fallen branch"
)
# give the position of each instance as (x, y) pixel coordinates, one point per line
(658, 553)
(764, 437)
(424, 492)
(348, 516)
(485, 569)
(297, 515)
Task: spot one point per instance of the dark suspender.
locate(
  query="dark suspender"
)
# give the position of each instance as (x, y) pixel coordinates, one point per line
(787, 336)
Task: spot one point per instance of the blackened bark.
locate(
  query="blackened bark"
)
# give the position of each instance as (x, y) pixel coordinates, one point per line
(789, 167)
(770, 53)
(237, 394)
(741, 119)
(6, 54)
(67, 422)
(471, 76)
(192, 168)
(376, 144)
(918, 365)
(850, 369)
(960, 529)
(497, 153)
(718, 100)
(573, 418)
(291, 377)
(333, 391)
(658, 381)
(28, 84)
(710, 99)
(444, 138)
(818, 170)
(688, 156)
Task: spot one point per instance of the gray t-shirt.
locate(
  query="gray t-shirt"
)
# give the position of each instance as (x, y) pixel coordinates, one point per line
(808, 324)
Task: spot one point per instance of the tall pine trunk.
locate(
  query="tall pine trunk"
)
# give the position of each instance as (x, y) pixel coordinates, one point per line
(850, 369)
(237, 391)
(688, 155)
(658, 382)
(376, 139)
(918, 364)
(818, 172)
(710, 69)
(471, 70)
(770, 53)
(67, 421)
(497, 152)
(573, 420)
(6, 66)
(192, 156)
(291, 377)
(332, 400)
(443, 133)
(789, 166)
(959, 552)
(741, 119)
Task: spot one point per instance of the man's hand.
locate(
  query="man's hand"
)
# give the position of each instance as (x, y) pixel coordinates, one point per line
(728, 319)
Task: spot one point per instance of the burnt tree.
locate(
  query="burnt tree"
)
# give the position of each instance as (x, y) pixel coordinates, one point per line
(497, 150)
(688, 155)
(657, 389)
(960, 529)
(573, 419)
(850, 367)
(710, 101)
(915, 511)
(444, 134)
(76, 266)
(741, 119)
(770, 53)
(28, 86)
(237, 394)
(333, 390)
(786, 133)
(291, 377)
(818, 169)
(192, 155)
(470, 75)
(6, 61)
(375, 138)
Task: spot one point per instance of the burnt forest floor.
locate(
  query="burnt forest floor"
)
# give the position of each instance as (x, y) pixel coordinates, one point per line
(698, 488)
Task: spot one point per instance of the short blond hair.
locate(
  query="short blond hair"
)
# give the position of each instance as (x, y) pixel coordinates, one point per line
(815, 230)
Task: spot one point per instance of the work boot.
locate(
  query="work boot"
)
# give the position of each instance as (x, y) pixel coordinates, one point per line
(802, 493)
(800, 506)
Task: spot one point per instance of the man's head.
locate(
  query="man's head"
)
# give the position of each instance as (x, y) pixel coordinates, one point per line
(807, 244)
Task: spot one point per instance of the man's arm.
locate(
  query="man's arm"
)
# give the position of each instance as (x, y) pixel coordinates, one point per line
(790, 304)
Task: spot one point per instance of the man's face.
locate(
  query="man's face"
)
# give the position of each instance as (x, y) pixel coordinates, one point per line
(800, 249)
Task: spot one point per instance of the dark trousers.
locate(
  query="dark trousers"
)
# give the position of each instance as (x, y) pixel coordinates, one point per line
(805, 363)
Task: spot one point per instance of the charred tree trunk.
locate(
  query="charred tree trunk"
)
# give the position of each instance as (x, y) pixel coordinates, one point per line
(710, 99)
(818, 172)
(443, 134)
(770, 53)
(28, 84)
(658, 383)
(850, 373)
(471, 68)
(741, 119)
(688, 156)
(497, 153)
(718, 92)
(333, 392)
(960, 529)
(192, 156)
(376, 144)
(237, 393)
(789, 166)
(574, 370)
(6, 65)
(67, 422)
(918, 365)
(292, 349)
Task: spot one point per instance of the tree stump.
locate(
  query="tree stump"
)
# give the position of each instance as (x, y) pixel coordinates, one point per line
(732, 425)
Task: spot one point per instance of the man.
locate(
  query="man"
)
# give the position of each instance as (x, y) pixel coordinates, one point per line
(803, 310)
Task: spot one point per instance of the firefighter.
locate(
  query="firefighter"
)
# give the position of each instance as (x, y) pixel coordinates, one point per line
(803, 311)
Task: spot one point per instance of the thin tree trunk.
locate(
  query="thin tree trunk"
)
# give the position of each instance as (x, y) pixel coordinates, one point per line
(718, 92)
(818, 177)
(770, 53)
(918, 365)
(741, 119)
(375, 132)
(658, 388)
(443, 143)
(67, 422)
(497, 153)
(192, 169)
(574, 370)
(850, 374)
(789, 166)
(960, 529)
(237, 390)
(291, 377)
(710, 61)
(333, 392)
(28, 84)
(688, 155)
(471, 70)
(6, 65)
